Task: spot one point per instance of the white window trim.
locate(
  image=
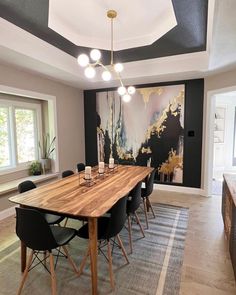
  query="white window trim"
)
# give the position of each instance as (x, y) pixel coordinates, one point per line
(15, 166)
(52, 105)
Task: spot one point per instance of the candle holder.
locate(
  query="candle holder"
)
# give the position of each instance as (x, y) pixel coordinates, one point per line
(113, 169)
(89, 181)
(101, 174)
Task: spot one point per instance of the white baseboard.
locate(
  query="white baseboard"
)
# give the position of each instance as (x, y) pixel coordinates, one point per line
(7, 212)
(180, 189)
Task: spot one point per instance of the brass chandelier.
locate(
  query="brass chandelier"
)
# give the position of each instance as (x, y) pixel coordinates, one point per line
(109, 70)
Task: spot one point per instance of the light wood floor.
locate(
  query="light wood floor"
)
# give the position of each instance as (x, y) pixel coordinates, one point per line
(207, 267)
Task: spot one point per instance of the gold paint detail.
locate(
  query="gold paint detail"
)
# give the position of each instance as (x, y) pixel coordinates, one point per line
(173, 107)
(146, 92)
(174, 161)
(146, 150)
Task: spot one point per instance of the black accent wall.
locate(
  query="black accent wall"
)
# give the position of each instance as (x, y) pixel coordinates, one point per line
(188, 36)
(194, 95)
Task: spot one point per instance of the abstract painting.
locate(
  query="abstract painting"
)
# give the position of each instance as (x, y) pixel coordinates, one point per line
(149, 130)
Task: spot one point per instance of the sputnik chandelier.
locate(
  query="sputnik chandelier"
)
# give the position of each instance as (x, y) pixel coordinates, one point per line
(109, 70)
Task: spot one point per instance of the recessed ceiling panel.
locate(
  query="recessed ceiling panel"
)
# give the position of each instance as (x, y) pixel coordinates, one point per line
(138, 22)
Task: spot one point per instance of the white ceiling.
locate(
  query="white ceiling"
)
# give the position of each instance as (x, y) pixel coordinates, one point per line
(21, 49)
(90, 26)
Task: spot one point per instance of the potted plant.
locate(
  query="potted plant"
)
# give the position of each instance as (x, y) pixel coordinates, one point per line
(46, 149)
(35, 168)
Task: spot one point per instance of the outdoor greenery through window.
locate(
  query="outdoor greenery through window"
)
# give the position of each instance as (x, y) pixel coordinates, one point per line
(18, 133)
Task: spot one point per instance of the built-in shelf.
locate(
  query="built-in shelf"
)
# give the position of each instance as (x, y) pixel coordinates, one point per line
(219, 129)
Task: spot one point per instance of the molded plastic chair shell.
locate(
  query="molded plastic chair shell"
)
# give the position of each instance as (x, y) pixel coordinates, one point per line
(67, 173)
(136, 199)
(80, 167)
(28, 185)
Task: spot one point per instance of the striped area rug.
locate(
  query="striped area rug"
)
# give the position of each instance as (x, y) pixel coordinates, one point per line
(155, 265)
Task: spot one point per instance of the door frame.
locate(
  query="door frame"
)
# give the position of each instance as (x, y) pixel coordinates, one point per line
(208, 137)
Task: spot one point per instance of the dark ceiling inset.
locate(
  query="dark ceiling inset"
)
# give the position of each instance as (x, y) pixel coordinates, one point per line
(187, 37)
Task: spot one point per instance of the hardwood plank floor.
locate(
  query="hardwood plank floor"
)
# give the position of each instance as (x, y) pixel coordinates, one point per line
(207, 267)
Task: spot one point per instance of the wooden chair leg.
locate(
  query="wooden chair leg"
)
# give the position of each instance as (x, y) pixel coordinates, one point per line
(66, 222)
(110, 265)
(70, 260)
(26, 271)
(140, 225)
(82, 265)
(145, 210)
(130, 234)
(45, 258)
(122, 248)
(150, 205)
(53, 276)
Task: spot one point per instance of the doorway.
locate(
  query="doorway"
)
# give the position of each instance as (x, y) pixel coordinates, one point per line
(223, 139)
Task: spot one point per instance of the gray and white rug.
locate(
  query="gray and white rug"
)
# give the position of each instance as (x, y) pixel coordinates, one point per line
(155, 265)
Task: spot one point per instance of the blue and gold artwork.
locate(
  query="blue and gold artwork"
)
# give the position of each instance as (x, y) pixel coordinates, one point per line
(149, 130)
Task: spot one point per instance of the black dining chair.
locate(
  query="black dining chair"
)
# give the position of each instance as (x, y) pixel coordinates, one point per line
(133, 203)
(146, 192)
(126, 162)
(108, 227)
(34, 231)
(28, 185)
(67, 173)
(80, 167)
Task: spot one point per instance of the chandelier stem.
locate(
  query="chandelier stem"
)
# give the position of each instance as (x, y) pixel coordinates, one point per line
(111, 41)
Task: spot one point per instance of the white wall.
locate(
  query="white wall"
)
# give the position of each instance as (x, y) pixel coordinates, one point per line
(219, 83)
(70, 112)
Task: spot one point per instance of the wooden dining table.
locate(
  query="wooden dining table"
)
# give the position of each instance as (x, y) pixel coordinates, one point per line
(75, 197)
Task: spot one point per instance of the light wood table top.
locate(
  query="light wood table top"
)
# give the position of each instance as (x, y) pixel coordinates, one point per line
(71, 196)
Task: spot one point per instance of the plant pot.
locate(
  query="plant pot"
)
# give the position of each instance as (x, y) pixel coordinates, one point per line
(46, 165)
(37, 173)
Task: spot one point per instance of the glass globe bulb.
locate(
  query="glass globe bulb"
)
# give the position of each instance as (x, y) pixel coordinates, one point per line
(118, 67)
(83, 60)
(126, 97)
(89, 72)
(131, 90)
(106, 75)
(95, 54)
(121, 90)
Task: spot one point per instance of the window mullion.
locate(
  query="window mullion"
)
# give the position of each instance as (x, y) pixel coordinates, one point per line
(13, 142)
(36, 135)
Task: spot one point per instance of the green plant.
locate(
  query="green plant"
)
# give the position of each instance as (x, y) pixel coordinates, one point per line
(47, 146)
(35, 168)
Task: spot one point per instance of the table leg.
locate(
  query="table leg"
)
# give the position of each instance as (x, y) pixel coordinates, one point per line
(92, 224)
(23, 256)
(23, 252)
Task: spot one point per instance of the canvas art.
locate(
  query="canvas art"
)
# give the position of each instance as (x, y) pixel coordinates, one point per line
(149, 130)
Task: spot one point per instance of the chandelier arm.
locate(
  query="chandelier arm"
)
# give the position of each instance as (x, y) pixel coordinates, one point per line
(102, 65)
(119, 78)
(94, 64)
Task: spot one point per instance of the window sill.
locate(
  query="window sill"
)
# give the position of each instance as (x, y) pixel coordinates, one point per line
(11, 186)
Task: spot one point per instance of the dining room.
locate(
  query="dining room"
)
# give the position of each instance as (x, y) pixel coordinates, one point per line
(106, 130)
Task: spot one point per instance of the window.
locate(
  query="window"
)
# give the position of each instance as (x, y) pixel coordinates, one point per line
(19, 133)
(4, 137)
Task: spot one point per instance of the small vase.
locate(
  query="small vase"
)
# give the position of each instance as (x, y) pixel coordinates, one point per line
(37, 173)
(46, 165)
